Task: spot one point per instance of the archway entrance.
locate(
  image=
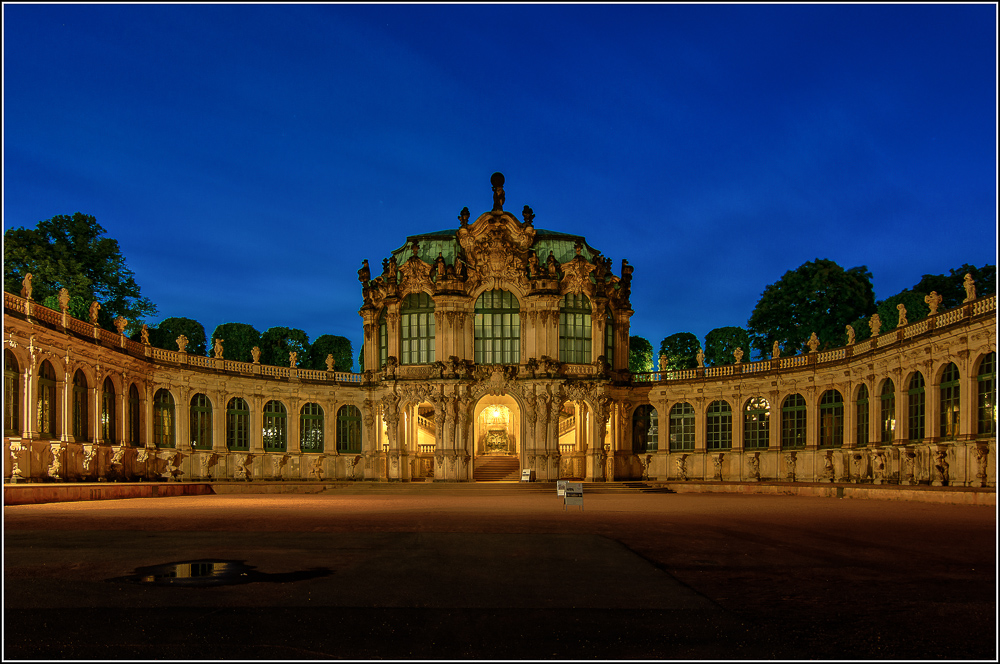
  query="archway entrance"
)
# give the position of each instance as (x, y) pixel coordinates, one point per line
(497, 440)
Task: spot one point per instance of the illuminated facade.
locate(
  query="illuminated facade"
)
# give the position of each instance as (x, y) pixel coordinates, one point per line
(491, 349)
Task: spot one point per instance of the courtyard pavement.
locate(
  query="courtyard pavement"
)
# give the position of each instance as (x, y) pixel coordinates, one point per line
(496, 573)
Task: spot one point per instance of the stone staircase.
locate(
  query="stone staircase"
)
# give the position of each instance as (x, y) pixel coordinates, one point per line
(497, 469)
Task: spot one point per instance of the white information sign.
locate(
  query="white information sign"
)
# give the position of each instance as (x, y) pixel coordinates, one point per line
(526, 475)
(561, 488)
(573, 495)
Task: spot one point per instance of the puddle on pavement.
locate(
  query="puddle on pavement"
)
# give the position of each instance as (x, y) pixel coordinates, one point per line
(206, 573)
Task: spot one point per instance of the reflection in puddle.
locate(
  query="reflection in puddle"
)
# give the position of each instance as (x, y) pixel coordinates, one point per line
(202, 573)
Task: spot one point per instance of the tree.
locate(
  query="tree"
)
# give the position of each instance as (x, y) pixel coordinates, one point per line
(79, 308)
(916, 309)
(277, 342)
(330, 344)
(681, 350)
(640, 354)
(819, 296)
(238, 341)
(165, 334)
(951, 287)
(721, 342)
(71, 252)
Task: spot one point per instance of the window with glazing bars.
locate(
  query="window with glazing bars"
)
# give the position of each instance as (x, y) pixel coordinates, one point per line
(497, 328)
(163, 419)
(11, 395)
(916, 400)
(793, 422)
(862, 417)
(108, 417)
(275, 427)
(831, 419)
(887, 412)
(949, 401)
(416, 322)
(201, 422)
(383, 341)
(311, 428)
(609, 338)
(134, 417)
(756, 419)
(237, 424)
(46, 401)
(986, 408)
(80, 414)
(645, 429)
(719, 426)
(575, 329)
(348, 429)
(681, 427)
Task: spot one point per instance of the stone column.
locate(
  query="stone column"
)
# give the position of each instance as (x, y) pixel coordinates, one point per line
(464, 460)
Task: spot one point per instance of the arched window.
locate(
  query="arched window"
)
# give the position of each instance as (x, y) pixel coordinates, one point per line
(46, 401)
(497, 328)
(887, 411)
(348, 429)
(237, 424)
(645, 429)
(80, 414)
(109, 418)
(609, 337)
(986, 401)
(915, 399)
(275, 427)
(949, 401)
(416, 320)
(575, 329)
(756, 418)
(831, 419)
(201, 422)
(134, 417)
(719, 426)
(861, 417)
(163, 418)
(793, 422)
(11, 395)
(681, 427)
(311, 428)
(383, 340)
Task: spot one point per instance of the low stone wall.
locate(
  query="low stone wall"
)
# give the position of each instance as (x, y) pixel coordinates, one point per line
(925, 494)
(30, 494)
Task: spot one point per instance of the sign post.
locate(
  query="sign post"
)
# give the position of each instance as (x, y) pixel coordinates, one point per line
(573, 495)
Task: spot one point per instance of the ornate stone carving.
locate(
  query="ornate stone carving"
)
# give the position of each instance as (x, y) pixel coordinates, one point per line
(64, 300)
(753, 466)
(26, 286)
(217, 347)
(89, 454)
(790, 466)
(878, 466)
(717, 460)
(901, 308)
(738, 354)
(940, 468)
(182, 343)
(933, 300)
(576, 275)
(850, 335)
(120, 324)
(55, 468)
(826, 475)
(244, 467)
(908, 458)
(293, 359)
(317, 468)
(813, 343)
(95, 307)
(980, 453)
(498, 195)
(875, 324)
(970, 288)
(680, 466)
(776, 350)
(16, 447)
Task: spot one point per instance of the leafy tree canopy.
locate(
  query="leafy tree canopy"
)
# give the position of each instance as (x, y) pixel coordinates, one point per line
(238, 340)
(71, 252)
(165, 334)
(722, 342)
(330, 344)
(681, 350)
(277, 342)
(79, 308)
(914, 303)
(640, 354)
(951, 286)
(819, 296)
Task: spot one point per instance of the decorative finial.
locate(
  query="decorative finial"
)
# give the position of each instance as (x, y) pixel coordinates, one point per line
(528, 214)
(463, 217)
(498, 196)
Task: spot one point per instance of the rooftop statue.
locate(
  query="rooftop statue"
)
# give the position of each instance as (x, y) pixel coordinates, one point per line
(875, 324)
(901, 308)
(528, 214)
(933, 301)
(26, 287)
(850, 335)
(970, 288)
(95, 306)
(776, 350)
(498, 196)
(364, 274)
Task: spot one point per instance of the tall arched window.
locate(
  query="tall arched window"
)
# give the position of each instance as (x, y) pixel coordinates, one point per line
(163, 418)
(275, 427)
(46, 401)
(201, 422)
(986, 401)
(645, 429)
(609, 337)
(793, 422)
(681, 427)
(80, 410)
(134, 417)
(109, 419)
(575, 329)
(416, 320)
(719, 426)
(831, 419)
(949, 401)
(861, 417)
(383, 340)
(497, 328)
(887, 411)
(311, 428)
(348, 429)
(916, 401)
(237, 424)
(11, 395)
(756, 423)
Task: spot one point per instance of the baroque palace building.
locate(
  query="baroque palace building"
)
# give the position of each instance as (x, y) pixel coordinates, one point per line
(493, 348)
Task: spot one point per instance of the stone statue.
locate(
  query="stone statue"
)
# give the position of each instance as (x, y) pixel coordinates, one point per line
(144, 334)
(970, 288)
(440, 267)
(552, 265)
(218, 348)
(738, 354)
(255, 353)
(120, 324)
(463, 217)
(933, 301)
(701, 358)
(753, 466)
(850, 335)
(940, 468)
(293, 359)
(813, 343)
(528, 214)
(878, 468)
(680, 463)
(901, 308)
(63, 299)
(875, 324)
(329, 362)
(609, 467)
(532, 265)
(364, 274)
(663, 362)
(26, 287)
(95, 306)
(776, 350)
(182, 343)
(498, 196)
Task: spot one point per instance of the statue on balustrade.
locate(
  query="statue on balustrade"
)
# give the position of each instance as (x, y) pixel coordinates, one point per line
(875, 324)
(901, 308)
(26, 287)
(933, 301)
(218, 348)
(95, 306)
(970, 288)
(850, 335)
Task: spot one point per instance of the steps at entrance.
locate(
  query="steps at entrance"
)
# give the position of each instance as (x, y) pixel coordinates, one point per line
(497, 469)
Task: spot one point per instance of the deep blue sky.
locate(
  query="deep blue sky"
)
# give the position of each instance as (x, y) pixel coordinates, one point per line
(247, 158)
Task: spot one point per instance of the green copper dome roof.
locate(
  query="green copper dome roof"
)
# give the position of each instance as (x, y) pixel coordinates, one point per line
(561, 245)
